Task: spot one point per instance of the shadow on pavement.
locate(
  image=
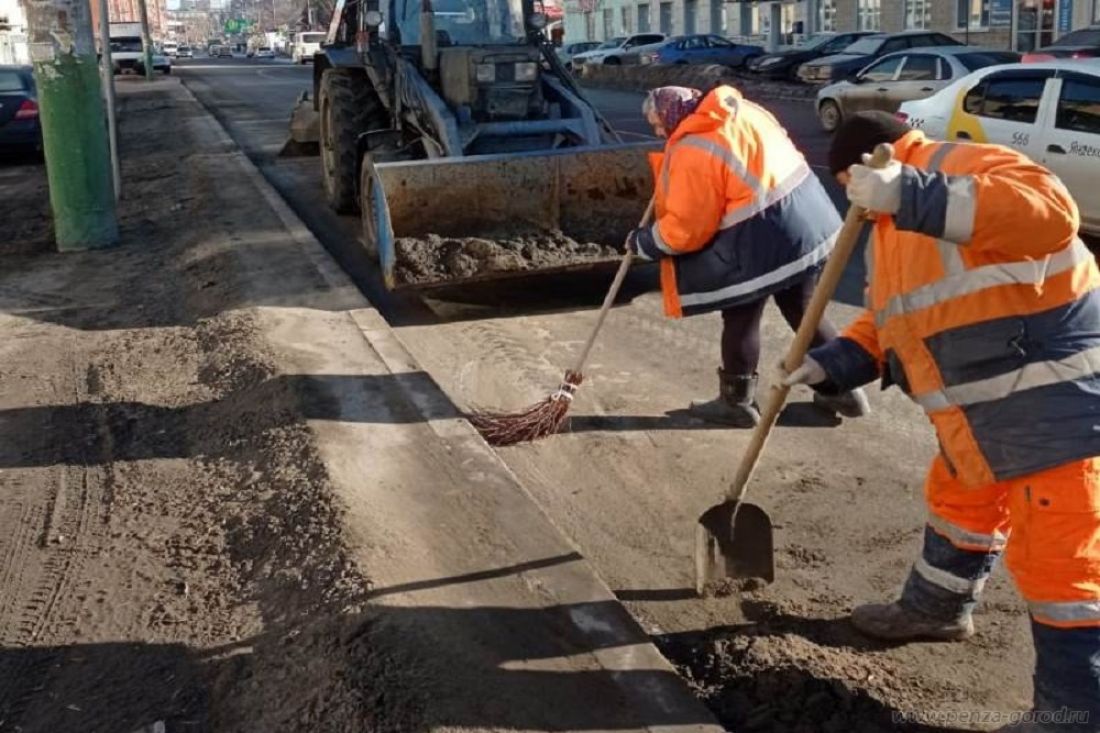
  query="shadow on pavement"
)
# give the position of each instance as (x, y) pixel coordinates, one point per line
(401, 668)
(794, 415)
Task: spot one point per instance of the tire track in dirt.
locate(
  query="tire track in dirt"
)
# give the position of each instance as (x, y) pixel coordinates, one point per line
(68, 525)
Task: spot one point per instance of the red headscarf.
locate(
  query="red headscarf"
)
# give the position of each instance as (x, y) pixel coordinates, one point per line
(673, 104)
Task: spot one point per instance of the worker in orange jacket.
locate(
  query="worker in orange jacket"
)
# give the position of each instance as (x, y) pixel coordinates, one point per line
(739, 217)
(984, 307)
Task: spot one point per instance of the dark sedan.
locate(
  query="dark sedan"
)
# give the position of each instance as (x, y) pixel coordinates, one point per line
(19, 126)
(842, 65)
(784, 64)
(699, 49)
(1080, 44)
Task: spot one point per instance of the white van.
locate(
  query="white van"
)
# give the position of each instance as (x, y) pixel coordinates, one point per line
(171, 48)
(307, 44)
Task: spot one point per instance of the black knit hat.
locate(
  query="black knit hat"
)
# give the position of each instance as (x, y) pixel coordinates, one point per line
(859, 134)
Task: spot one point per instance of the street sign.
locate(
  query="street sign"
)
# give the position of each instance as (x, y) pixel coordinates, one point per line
(1000, 14)
(234, 26)
(1065, 16)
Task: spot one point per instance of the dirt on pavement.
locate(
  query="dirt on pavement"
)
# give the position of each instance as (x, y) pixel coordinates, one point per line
(173, 551)
(170, 547)
(632, 474)
(25, 205)
(435, 258)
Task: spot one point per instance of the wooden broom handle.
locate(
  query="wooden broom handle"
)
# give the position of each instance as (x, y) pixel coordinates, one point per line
(846, 242)
(612, 292)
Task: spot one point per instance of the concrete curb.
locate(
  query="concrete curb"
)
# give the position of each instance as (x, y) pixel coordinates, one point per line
(449, 482)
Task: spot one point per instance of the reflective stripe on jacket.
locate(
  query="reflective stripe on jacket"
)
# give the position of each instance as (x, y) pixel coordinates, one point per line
(983, 307)
(740, 214)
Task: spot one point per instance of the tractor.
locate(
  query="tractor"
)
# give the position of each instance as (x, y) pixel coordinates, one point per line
(452, 117)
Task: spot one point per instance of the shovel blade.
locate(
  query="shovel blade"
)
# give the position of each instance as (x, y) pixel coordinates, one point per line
(733, 544)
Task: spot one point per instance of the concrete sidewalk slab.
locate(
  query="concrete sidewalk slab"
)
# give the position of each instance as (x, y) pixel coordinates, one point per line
(508, 625)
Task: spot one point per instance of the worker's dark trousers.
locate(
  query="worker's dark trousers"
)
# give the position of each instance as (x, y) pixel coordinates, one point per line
(741, 326)
(1067, 665)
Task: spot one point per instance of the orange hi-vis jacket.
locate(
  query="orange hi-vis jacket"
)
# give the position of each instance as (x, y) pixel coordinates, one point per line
(739, 214)
(982, 305)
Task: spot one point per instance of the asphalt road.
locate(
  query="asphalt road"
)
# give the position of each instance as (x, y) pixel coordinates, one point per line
(253, 99)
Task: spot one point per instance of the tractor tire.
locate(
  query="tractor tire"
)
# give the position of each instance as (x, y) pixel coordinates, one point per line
(348, 107)
(367, 215)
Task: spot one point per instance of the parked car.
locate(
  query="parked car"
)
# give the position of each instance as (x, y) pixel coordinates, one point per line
(185, 52)
(20, 129)
(841, 65)
(1049, 110)
(567, 51)
(307, 44)
(696, 49)
(901, 77)
(127, 52)
(611, 51)
(221, 52)
(264, 52)
(1080, 44)
(784, 64)
(161, 63)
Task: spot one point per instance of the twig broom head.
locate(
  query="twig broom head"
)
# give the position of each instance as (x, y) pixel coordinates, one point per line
(537, 421)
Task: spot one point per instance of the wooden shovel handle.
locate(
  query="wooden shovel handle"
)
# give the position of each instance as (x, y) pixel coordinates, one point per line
(846, 242)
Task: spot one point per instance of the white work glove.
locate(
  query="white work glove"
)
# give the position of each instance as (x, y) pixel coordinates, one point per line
(810, 372)
(875, 189)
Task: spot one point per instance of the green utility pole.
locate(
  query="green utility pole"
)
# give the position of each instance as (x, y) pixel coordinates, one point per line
(146, 39)
(71, 113)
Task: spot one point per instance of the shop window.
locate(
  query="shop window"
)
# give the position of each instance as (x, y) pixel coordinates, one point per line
(918, 14)
(972, 14)
(868, 15)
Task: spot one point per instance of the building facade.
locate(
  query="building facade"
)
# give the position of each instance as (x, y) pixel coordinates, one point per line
(127, 11)
(193, 26)
(13, 33)
(1020, 25)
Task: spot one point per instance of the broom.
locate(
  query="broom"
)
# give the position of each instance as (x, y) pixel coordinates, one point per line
(546, 417)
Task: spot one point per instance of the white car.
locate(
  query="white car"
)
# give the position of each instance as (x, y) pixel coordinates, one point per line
(568, 51)
(1048, 110)
(306, 44)
(611, 51)
(903, 76)
(265, 52)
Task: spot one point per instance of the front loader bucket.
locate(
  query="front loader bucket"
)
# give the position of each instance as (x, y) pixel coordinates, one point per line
(593, 196)
(305, 130)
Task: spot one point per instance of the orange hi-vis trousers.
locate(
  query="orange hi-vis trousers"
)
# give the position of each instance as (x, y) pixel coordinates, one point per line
(1047, 525)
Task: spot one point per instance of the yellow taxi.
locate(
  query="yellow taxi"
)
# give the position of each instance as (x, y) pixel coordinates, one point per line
(1049, 110)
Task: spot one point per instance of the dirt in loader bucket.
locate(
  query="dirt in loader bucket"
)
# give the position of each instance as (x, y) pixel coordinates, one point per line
(456, 221)
(502, 249)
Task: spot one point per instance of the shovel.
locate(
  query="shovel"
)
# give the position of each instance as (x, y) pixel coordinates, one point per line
(734, 539)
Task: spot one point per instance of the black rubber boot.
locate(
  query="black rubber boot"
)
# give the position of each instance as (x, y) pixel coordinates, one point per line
(895, 622)
(845, 404)
(735, 404)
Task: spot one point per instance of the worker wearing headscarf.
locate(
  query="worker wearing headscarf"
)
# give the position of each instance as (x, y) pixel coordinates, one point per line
(739, 217)
(984, 307)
